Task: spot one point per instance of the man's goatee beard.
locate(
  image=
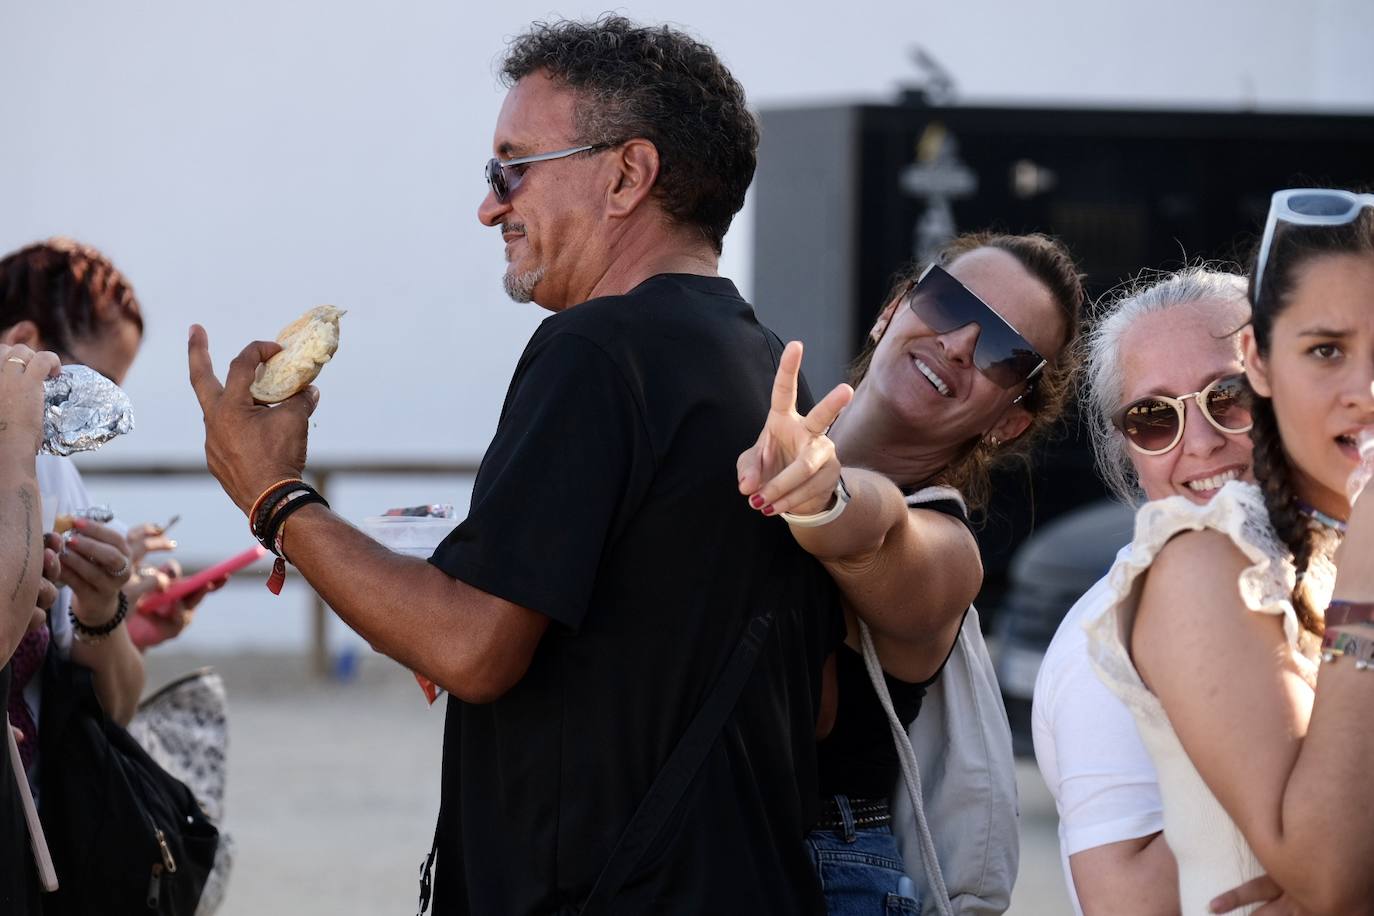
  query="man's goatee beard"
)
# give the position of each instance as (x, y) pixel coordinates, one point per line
(520, 287)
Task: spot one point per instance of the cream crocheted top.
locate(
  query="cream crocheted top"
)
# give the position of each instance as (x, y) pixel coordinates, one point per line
(1212, 854)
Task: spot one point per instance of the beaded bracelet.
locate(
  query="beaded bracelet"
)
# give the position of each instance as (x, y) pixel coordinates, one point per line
(89, 634)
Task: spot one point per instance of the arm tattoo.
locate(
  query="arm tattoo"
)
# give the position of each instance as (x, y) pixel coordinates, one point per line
(26, 498)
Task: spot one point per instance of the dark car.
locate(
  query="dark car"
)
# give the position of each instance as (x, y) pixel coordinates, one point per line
(1049, 572)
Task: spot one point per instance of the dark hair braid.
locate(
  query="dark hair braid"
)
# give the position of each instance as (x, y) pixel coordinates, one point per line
(70, 291)
(1273, 474)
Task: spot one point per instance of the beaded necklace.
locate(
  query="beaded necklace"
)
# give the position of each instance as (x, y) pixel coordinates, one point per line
(1321, 518)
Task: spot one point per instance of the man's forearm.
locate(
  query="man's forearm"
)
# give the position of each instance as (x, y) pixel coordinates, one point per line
(468, 642)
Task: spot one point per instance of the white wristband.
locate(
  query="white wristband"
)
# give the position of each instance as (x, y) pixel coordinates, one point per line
(822, 518)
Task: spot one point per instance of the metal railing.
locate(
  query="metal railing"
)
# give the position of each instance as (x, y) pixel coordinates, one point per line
(319, 475)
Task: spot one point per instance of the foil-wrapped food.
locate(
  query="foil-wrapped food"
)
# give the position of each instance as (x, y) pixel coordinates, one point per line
(82, 410)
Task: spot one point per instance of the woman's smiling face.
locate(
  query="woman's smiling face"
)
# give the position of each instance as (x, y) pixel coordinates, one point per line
(930, 380)
(1176, 352)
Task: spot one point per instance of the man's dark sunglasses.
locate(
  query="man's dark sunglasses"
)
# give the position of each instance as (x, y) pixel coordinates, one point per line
(504, 177)
(1001, 353)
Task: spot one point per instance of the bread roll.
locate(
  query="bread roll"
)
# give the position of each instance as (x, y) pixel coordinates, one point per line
(307, 344)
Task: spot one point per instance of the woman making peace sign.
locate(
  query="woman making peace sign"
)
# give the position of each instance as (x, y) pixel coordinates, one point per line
(966, 365)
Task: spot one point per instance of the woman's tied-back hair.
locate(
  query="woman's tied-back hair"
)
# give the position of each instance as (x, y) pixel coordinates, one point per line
(658, 84)
(70, 291)
(1292, 248)
(1048, 261)
(1104, 381)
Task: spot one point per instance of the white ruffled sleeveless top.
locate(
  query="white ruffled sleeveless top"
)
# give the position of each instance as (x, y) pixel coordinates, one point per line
(1212, 855)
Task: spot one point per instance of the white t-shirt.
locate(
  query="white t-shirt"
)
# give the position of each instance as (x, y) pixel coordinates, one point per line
(1090, 754)
(61, 491)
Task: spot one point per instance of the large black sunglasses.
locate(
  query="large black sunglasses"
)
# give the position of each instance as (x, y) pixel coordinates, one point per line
(1001, 353)
(504, 177)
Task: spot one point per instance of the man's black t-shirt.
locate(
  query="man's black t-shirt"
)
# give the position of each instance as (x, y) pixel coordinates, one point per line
(608, 501)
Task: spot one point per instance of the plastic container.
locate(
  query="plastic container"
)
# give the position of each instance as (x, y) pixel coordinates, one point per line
(412, 536)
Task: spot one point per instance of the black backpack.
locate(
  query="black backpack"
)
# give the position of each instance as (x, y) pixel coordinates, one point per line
(126, 837)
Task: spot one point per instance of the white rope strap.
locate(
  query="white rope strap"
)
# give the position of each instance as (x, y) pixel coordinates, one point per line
(911, 774)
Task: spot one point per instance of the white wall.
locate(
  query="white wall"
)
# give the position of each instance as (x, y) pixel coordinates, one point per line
(243, 161)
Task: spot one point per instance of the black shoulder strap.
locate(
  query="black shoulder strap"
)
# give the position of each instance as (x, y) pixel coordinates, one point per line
(667, 788)
(682, 765)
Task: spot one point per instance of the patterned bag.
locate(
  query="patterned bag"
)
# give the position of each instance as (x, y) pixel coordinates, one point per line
(185, 728)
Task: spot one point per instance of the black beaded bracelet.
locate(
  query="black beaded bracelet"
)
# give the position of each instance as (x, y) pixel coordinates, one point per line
(85, 633)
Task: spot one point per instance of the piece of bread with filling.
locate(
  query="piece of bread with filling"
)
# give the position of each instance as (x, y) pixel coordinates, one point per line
(307, 344)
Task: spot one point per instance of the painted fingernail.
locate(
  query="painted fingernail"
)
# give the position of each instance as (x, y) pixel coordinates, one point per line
(80, 524)
(171, 545)
(768, 510)
(756, 501)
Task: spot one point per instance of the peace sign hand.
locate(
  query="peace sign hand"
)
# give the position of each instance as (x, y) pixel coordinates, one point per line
(793, 467)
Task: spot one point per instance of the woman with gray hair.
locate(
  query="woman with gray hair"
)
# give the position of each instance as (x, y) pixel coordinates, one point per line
(1162, 398)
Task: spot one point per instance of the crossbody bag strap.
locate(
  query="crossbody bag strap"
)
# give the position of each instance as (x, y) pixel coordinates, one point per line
(911, 774)
(682, 765)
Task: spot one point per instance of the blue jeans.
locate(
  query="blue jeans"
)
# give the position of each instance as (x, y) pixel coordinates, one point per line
(860, 869)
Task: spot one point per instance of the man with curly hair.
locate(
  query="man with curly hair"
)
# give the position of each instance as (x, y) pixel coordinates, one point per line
(633, 655)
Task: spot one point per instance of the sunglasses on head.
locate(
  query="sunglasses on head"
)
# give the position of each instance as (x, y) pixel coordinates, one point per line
(504, 177)
(1307, 207)
(944, 304)
(1154, 425)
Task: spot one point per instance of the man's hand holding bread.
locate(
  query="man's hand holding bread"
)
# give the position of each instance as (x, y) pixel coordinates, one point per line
(248, 445)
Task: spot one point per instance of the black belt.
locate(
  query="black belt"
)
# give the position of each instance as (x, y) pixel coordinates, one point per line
(866, 812)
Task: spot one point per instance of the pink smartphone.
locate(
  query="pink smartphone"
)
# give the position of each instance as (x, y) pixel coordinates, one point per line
(158, 603)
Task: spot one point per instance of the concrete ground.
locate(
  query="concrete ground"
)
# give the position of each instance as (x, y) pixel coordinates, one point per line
(333, 789)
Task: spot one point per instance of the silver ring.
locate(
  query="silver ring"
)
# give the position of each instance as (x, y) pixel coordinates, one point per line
(148, 572)
(122, 571)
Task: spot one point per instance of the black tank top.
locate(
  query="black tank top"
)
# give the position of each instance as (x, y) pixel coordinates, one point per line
(858, 757)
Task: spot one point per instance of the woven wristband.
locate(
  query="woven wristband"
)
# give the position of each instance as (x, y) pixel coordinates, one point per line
(258, 515)
(1338, 643)
(1347, 613)
(272, 537)
(262, 521)
(293, 503)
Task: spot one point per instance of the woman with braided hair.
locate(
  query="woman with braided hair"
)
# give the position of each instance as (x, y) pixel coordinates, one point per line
(1219, 612)
(69, 297)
